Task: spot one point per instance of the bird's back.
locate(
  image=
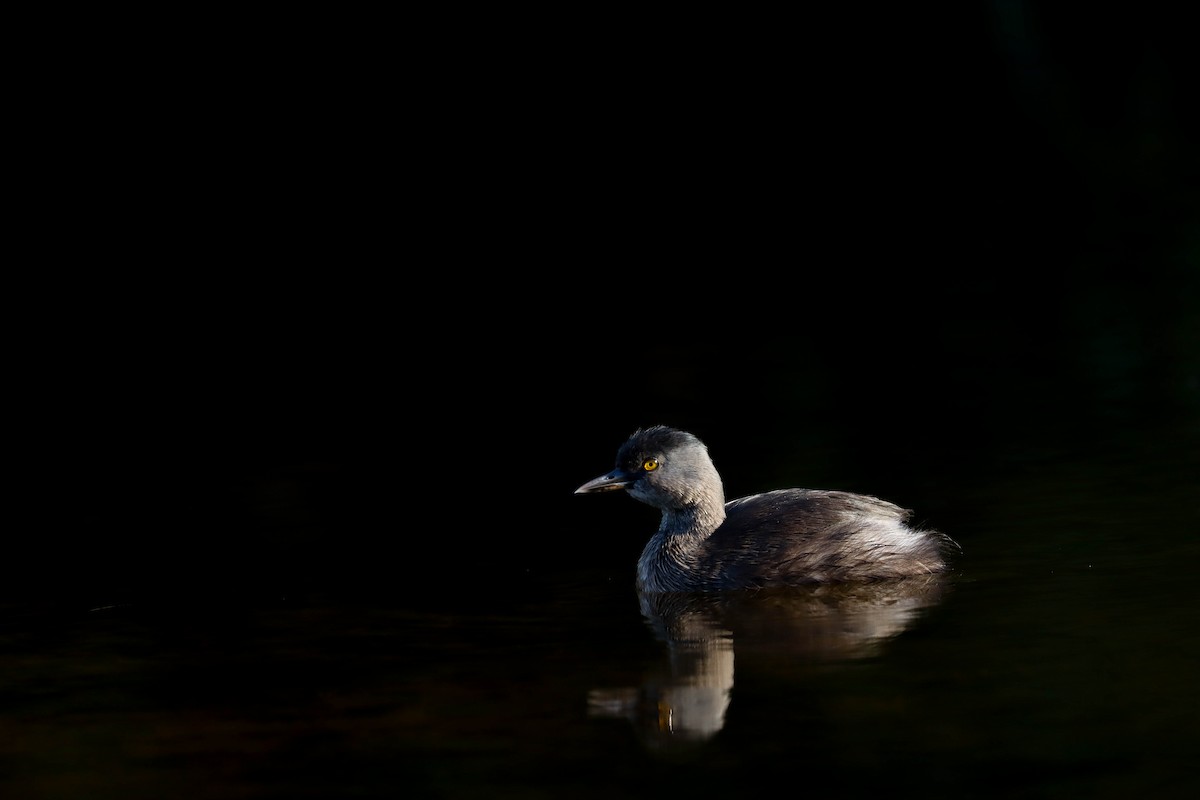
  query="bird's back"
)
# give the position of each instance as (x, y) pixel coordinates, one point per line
(801, 536)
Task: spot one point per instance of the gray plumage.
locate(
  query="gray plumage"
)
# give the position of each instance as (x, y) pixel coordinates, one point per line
(786, 537)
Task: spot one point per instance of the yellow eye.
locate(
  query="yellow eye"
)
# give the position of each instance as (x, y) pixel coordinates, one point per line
(650, 464)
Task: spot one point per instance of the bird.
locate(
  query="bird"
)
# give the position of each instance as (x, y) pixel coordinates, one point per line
(784, 537)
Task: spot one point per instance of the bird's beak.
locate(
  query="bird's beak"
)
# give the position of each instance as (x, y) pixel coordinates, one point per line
(617, 479)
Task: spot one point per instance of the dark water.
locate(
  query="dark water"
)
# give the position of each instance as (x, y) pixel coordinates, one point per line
(1057, 659)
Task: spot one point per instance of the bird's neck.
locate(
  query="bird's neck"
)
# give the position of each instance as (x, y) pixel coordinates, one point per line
(695, 521)
(673, 554)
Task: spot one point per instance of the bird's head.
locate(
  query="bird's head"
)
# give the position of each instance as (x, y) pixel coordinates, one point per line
(664, 467)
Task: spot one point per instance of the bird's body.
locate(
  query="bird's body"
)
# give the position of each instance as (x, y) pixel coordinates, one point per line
(786, 537)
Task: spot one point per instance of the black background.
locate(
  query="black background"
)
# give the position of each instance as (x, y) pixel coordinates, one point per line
(329, 303)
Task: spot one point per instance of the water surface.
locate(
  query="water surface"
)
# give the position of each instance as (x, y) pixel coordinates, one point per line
(1058, 658)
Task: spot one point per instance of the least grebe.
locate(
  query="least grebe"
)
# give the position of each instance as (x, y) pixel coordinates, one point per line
(786, 537)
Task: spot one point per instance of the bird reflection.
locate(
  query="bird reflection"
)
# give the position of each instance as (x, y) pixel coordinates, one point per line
(684, 701)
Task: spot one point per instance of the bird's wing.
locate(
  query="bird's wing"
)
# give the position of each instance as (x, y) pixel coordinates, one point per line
(820, 508)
